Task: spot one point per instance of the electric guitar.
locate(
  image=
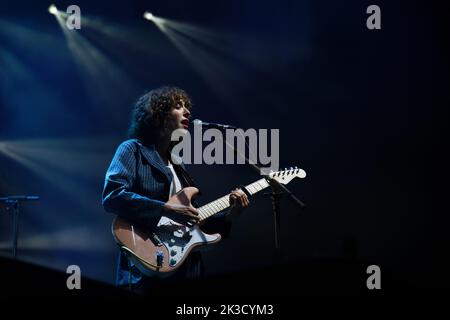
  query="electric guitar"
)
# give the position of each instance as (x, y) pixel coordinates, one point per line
(164, 249)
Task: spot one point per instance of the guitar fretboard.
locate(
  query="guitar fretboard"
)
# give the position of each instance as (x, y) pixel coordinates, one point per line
(223, 203)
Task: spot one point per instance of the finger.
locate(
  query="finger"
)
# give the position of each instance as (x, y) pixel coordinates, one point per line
(194, 211)
(242, 201)
(194, 217)
(238, 192)
(245, 199)
(192, 222)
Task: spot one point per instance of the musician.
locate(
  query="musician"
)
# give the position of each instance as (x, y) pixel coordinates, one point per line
(142, 177)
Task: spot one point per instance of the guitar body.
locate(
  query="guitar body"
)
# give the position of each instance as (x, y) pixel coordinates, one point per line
(164, 249)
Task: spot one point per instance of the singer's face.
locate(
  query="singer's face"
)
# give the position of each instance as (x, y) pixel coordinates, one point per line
(178, 117)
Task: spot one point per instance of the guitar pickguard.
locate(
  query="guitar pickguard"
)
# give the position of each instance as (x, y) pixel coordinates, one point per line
(179, 239)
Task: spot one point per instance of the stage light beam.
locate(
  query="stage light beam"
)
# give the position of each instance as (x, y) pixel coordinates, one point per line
(53, 10)
(158, 21)
(148, 15)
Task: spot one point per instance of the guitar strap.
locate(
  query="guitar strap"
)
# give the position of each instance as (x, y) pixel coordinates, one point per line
(186, 181)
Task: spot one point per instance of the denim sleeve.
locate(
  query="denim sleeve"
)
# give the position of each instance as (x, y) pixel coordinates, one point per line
(118, 196)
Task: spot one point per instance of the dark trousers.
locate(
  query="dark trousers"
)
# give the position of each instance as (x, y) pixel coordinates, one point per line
(192, 269)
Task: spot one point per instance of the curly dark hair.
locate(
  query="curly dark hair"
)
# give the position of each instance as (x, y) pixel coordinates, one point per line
(151, 110)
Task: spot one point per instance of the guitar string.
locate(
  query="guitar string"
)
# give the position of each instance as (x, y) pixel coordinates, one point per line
(252, 185)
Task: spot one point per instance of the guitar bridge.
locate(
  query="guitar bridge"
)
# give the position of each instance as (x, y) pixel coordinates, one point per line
(155, 239)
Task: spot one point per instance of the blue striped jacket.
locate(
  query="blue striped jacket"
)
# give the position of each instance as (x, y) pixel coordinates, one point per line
(137, 184)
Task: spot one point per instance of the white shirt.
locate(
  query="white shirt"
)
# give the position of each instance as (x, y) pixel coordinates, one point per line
(175, 186)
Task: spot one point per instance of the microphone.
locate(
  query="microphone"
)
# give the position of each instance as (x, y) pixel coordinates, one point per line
(19, 198)
(199, 122)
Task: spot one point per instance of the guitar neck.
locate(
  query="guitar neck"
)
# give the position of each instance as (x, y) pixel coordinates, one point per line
(223, 203)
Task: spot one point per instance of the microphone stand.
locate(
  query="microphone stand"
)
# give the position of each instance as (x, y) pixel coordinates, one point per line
(12, 203)
(278, 190)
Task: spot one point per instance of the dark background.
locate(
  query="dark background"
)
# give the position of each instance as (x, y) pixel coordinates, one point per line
(363, 112)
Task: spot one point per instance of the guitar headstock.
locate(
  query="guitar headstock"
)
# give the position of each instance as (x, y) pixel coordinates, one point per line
(285, 176)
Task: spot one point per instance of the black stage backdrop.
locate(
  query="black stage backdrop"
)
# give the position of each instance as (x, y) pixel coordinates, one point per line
(363, 112)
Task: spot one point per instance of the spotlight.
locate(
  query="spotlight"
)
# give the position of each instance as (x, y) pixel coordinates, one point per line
(148, 15)
(52, 9)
